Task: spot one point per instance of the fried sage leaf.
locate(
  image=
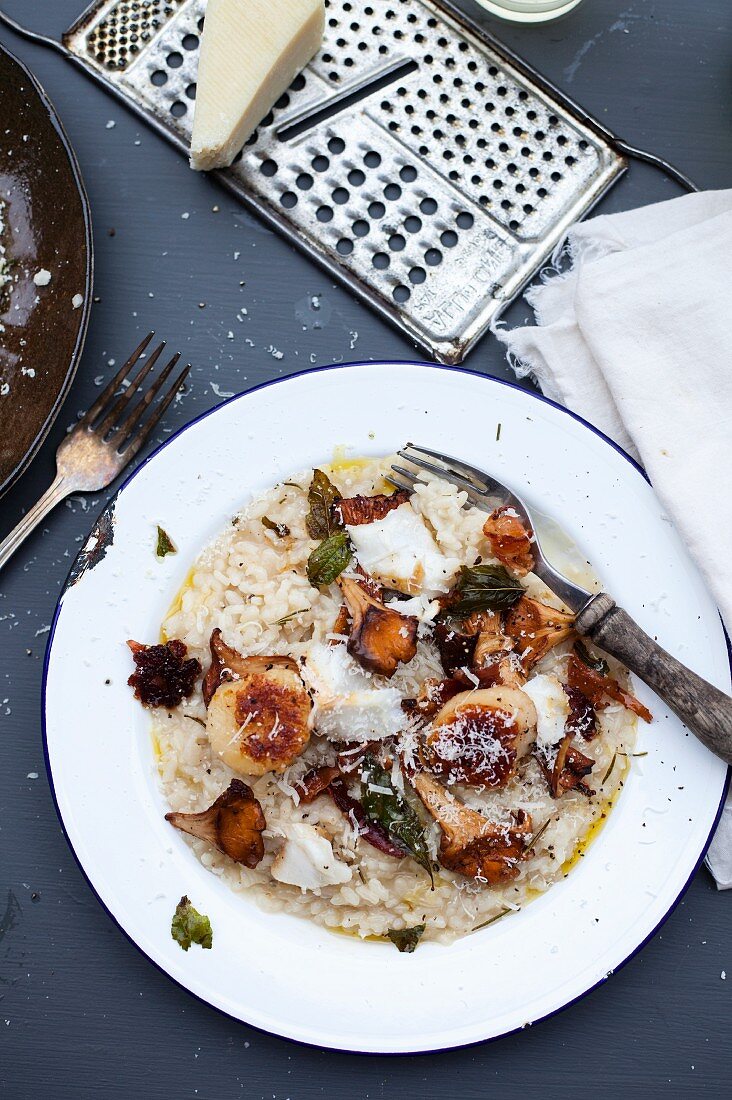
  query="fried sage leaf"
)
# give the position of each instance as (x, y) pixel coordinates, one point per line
(189, 926)
(596, 663)
(328, 560)
(385, 804)
(280, 529)
(483, 588)
(164, 544)
(322, 519)
(406, 939)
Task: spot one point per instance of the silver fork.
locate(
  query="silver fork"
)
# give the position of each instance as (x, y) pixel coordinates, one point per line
(705, 709)
(105, 440)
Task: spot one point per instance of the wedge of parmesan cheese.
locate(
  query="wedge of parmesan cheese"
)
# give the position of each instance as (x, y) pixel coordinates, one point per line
(251, 51)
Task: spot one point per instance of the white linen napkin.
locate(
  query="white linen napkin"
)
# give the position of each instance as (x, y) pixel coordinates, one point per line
(636, 336)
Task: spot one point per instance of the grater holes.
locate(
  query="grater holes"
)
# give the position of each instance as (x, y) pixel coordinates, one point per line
(428, 206)
(304, 181)
(396, 242)
(178, 108)
(336, 145)
(417, 275)
(380, 260)
(372, 159)
(190, 42)
(174, 60)
(356, 177)
(408, 173)
(344, 246)
(376, 210)
(320, 163)
(288, 200)
(268, 167)
(128, 25)
(412, 224)
(401, 293)
(465, 220)
(361, 228)
(159, 77)
(324, 213)
(191, 91)
(448, 239)
(392, 191)
(433, 257)
(340, 195)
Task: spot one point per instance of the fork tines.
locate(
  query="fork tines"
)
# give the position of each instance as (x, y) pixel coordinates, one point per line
(449, 469)
(120, 421)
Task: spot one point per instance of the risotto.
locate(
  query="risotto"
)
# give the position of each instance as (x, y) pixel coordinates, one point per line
(398, 733)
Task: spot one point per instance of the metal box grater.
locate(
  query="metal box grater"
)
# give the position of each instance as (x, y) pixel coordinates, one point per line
(435, 196)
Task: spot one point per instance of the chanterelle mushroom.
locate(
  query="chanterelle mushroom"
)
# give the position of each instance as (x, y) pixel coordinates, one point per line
(597, 687)
(233, 824)
(380, 637)
(471, 844)
(228, 663)
(258, 723)
(569, 769)
(478, 736)
(492, 643)
(361, 509)
(510, 541)
(536, 628)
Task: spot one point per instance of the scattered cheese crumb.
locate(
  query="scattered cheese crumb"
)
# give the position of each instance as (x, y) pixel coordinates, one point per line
(111, 124)
(77, 301)
(185, 216)
(32, 775)
(42, 277)
(218, 391)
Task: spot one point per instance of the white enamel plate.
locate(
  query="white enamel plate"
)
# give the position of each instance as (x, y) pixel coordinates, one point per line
(278, 972)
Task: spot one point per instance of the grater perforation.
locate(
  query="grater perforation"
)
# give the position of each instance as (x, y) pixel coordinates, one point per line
(435, 196)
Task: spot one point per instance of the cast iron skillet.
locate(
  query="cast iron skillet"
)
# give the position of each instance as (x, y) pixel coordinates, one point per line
(47, 225)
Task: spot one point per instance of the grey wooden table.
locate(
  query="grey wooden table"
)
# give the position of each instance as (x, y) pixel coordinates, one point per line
(82, 1013)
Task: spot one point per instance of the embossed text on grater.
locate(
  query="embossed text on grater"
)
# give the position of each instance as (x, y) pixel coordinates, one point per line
(435, 197)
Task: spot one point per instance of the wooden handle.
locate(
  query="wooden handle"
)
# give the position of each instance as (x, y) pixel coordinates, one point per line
(703, 708)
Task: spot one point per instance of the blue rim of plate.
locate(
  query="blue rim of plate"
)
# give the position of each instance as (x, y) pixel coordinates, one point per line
(47, 657)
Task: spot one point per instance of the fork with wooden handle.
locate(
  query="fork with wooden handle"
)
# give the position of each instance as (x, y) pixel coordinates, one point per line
(106, 438)
(703, 708)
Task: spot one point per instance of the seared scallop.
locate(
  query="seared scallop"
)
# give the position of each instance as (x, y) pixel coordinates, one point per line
(259, 723)
(478, 736)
